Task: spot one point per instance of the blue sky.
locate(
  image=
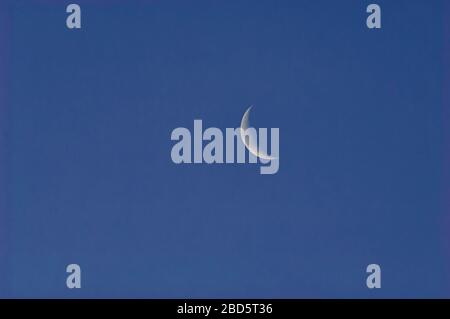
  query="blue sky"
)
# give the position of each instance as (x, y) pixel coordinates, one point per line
(90, 179)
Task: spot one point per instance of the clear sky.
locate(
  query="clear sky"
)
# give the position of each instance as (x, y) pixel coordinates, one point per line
(89, 178)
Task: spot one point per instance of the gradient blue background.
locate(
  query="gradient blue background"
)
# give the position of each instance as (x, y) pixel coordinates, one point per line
(90, 179)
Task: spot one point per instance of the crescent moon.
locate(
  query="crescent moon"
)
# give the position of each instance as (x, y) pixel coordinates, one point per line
(251, 147)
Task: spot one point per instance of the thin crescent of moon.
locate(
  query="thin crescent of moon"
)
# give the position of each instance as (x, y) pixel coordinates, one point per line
(252, 148)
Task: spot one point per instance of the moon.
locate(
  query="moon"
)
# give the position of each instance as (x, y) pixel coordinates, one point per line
(251, 147)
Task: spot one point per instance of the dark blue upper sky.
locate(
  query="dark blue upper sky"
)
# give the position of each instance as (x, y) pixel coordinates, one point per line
(91, 181)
